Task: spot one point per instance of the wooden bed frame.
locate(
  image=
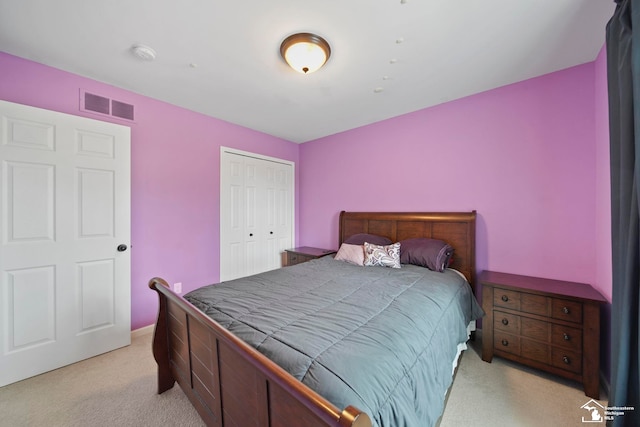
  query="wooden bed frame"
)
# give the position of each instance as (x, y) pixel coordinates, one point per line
(232, 384)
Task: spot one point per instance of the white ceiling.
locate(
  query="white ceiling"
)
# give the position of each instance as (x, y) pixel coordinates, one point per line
(449, 49)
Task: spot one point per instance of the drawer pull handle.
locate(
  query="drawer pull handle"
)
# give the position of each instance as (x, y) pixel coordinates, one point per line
(505, 298)
(565, 310)
(505, 321)
(566, 336)
(566, 360)
(505, 343)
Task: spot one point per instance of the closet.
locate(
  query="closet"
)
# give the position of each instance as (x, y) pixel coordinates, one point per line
(256, 212)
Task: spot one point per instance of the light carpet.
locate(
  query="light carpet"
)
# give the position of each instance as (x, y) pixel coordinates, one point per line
(119, 389)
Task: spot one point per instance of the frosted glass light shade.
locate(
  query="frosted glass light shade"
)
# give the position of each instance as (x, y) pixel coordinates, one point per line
(305, 52)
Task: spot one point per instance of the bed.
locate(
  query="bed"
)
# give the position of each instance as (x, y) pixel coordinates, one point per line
(352, 316)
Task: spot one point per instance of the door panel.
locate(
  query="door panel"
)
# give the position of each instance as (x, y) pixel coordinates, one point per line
(64, 209)
(95, 203)
(29, 134)
(31, 297)
(97, 292)
(30, 200)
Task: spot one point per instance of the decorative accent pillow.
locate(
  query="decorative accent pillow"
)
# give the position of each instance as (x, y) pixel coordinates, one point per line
(353, 254)
(430, 253)
(386, 256)
(359, 239)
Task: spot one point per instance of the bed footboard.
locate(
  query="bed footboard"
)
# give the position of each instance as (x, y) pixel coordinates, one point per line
(229, 382)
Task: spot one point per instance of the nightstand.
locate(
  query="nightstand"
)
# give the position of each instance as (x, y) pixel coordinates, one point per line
(305, 253)
(547, 324)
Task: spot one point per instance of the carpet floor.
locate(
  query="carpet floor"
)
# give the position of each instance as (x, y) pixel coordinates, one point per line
(119, 389)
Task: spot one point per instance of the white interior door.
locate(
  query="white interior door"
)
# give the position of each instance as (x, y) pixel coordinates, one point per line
(278, 217)
(65, 205)
(256, 213)
(253, 237)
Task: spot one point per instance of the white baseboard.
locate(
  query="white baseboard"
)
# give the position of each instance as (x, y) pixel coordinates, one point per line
(142, 331)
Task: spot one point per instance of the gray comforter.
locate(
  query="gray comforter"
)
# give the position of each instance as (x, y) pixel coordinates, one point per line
(381, 339)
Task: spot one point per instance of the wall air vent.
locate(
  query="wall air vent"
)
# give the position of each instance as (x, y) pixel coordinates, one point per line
(121, 109)
(90, 102)
(96, 103)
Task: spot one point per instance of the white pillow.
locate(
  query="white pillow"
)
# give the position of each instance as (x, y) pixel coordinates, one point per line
(353, 254)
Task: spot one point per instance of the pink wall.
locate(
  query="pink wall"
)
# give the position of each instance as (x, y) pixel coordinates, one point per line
(522, 155)
(175, 189)
(603, 280)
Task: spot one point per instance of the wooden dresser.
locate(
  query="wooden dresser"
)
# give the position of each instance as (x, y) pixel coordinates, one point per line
(305, 253)
(543, 323)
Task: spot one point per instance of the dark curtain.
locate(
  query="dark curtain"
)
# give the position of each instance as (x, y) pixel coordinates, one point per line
(623, 71)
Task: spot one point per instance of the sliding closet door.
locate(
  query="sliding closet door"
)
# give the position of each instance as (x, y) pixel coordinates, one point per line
(256, 213)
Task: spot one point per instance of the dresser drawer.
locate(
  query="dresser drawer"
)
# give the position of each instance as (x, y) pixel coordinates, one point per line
(535, 329)
(506, 322)
(535, 350)
(566, 310)
(567, 360)
(507, 299)
(566, 337)
(521, 301)
(539, 330)
(506, 342)
(534, 304)
(293, 259)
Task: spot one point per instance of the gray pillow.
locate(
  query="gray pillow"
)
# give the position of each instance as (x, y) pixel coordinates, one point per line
(431, 253)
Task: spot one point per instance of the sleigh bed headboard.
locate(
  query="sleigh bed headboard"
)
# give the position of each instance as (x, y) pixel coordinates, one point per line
(456, 228)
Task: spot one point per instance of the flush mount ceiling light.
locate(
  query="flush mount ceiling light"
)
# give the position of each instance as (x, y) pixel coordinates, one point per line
(143, 52)
(305, 52)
